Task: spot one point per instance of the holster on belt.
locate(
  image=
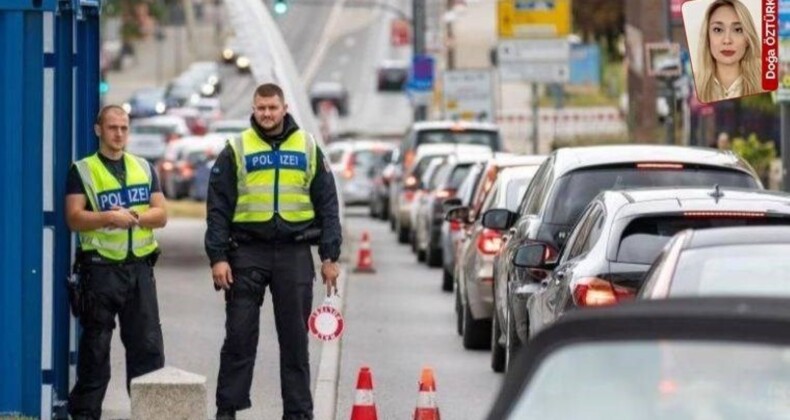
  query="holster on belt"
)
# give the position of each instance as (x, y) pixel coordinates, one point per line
(76, 288)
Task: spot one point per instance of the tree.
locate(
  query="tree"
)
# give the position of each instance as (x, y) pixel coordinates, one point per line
(600, 21)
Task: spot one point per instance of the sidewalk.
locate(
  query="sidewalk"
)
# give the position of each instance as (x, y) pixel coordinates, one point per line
(157, 62)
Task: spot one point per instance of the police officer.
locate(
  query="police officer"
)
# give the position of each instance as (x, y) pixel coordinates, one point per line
(114, 202)
(269, 191)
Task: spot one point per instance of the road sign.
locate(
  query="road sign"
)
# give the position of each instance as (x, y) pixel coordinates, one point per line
(534, 60)
(533, 18)
(468, 94)
(663, 59)
(421, 74)
(326, 322)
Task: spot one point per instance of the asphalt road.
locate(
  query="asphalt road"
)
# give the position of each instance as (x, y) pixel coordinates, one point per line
(398, 321)
(193, 324)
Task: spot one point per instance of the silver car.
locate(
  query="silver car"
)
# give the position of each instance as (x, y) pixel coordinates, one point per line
(352, 162)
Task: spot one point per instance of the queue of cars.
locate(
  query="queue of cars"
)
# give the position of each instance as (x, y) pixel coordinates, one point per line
(535, 248)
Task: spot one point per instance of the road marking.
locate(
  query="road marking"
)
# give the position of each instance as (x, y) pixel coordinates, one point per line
(323, 44)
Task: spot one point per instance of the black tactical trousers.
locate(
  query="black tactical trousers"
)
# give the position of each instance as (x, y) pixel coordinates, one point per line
(128, 291)
(288, 272)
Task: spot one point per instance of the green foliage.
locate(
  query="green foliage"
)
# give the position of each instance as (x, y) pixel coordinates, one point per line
(761, 103)
(759, 154)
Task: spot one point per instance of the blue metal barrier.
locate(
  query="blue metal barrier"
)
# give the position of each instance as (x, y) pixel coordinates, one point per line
(49, 79)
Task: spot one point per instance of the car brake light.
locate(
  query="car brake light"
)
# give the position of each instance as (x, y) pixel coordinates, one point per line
(711, 214)
(408, 195)
(410, 182)
(455, 225)
(445, 193)
(408, 159)
(594, 291)
(489, 241)
(168, 166)
(659, 165)
(186, 170)
(348, 173)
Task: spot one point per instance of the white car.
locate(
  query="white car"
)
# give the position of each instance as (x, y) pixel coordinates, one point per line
(352, 162)
(228, 127)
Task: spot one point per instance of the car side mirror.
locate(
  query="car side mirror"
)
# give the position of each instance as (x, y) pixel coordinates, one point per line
(459, 213)
(449, 203)
(531, 256)
(499, 219)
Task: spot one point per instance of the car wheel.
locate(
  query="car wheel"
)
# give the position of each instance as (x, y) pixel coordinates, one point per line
(392, 222)
(459, 324)
(403, 233)
(374, 213)
(497, 350)
(385, 212)
(413, 241)
(512, 343)
(447, 281)
(476, 332)
(433, 256)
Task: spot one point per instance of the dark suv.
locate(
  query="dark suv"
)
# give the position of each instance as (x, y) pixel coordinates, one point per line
(563, 186)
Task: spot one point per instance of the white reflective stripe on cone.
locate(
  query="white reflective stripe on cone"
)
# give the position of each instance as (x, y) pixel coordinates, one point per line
(364, 397)
(426, 400)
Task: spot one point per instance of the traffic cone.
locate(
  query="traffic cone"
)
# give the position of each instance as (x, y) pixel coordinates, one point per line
(364, 257)
(426, 399)
(364, 406)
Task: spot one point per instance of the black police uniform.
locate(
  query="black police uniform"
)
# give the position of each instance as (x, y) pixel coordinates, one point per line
(109, 288)
(268, 254)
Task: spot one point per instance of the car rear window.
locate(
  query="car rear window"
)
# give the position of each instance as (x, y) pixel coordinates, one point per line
(477, 137)
(457, 176)
(368, 158)
(644, 237)
(153, 129)
(576, 189)
(743, 270)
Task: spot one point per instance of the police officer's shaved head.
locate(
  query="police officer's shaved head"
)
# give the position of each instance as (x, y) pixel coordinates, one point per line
(108, 109)
(267, 90)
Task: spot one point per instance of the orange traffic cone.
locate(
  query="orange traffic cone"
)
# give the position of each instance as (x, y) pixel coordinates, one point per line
(364, 257)
(364, 406)
(426, 399)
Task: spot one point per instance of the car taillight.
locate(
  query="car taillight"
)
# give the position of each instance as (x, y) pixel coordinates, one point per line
(348, 173)
(408, 159)
(594, 291)
(726, 214)
(408, 195)
(186, 169)
(489, 241)
(168, 166)
(455, 225)
(410, 182)
(445, 193)
(659, 165)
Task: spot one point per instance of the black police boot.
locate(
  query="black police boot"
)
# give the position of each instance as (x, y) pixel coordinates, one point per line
(226, 414)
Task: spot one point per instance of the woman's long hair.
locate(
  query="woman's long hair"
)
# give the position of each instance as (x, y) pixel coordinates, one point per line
(750, 63)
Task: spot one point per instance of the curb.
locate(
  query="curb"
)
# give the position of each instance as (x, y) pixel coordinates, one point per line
(325, 400)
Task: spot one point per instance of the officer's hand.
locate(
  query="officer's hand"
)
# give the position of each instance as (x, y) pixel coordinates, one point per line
(221, 274)
(122, 218)
(330, 272)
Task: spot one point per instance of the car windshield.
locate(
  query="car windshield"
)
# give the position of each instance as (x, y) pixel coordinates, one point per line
(457, 176)
(744, 270)
(575, 190)
(659, 379)
(478, 137)
(366, 159)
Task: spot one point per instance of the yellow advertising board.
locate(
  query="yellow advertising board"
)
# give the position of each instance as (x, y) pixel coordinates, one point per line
(533, 18)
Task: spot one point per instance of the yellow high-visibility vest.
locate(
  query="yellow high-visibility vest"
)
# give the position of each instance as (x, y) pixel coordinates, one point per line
(274, 181)
(104, 192)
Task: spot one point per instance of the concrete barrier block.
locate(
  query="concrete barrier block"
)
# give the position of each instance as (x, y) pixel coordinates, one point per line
(169, 394)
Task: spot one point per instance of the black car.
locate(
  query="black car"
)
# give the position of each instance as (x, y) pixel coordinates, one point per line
(687, 358)
(564, 185)
(622, 232)
(743, 261)
(381, 174)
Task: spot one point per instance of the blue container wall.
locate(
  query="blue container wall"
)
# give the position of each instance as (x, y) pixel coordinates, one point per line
(49, 71)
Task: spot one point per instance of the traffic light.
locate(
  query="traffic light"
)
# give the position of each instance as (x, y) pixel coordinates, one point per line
(104, 87)
(280, 6)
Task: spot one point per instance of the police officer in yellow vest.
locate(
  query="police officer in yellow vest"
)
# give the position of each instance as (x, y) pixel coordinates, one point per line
(269, 190)
(114, 202)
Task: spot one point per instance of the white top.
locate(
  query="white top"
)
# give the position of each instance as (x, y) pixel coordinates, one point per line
(735, 90)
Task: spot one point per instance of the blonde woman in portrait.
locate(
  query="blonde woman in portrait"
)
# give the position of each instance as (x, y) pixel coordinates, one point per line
(729, 53)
